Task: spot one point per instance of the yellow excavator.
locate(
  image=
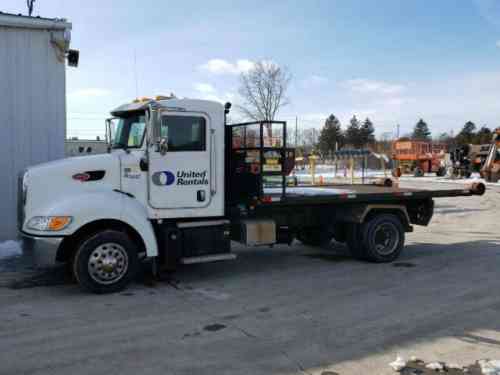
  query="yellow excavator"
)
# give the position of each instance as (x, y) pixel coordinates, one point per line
(491, 168)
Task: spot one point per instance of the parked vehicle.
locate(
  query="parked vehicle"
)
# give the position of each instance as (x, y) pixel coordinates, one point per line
(418, 157)
(491, 168)
(179, 184)
(468, 158)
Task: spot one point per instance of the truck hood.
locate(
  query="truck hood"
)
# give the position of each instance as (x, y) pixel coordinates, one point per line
(53, 182)
(75, 164)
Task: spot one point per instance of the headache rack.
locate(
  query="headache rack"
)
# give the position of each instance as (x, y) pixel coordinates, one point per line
(257, 158)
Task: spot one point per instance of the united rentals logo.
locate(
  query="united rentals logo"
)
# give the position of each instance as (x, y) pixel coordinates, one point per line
(166, 178)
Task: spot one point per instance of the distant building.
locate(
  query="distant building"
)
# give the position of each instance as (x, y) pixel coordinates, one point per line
(33, 52)
(80, 147)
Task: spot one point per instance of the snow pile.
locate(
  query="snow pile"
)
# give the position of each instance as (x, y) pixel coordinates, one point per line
(309, 191)
(10, 249)
(436, 366)
(489, 367)
(398, 364)
(417, 366)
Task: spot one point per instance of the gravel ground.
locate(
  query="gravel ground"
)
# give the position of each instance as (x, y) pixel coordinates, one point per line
(286, 310)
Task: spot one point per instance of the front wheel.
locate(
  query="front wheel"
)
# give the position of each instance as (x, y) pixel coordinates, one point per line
(419, 172)
(105, 262)
(383, 238)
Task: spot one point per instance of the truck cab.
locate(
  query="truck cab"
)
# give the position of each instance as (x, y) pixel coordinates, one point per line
(165, 162)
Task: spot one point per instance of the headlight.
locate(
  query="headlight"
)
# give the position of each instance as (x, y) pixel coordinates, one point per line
(49, 223)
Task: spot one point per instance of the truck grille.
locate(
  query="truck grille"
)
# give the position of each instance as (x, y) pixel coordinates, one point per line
(21, 200)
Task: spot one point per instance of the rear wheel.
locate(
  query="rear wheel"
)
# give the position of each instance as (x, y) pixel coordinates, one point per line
(105, 262)
(383, 238)
(419, 172)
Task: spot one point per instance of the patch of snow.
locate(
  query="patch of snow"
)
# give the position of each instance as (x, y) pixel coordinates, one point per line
(489, 367)
(10, 249)
(398, 364)
(436, 366)
(309, 191)
(447, 180)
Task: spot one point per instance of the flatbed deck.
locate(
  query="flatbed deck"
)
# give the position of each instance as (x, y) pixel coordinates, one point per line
(358, 193)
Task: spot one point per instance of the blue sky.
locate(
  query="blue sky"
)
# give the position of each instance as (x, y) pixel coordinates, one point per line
(393, 61)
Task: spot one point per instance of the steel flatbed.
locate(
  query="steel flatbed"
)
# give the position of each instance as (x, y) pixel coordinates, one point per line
(311, 195)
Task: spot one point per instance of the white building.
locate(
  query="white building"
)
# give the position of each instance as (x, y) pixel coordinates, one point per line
(33, 52)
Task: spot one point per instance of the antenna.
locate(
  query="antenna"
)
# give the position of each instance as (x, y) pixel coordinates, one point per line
(135, 75)
(29, 4)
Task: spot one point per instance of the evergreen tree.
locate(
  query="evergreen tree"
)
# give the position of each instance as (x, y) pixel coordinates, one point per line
(484, 135)
(467, 134)
(421, 131)
(331, 138)
(367, 132)
(353, 133)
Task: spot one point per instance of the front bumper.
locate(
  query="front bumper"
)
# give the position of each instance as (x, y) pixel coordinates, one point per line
(42, 250)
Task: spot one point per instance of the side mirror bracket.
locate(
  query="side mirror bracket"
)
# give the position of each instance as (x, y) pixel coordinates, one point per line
(162, 145)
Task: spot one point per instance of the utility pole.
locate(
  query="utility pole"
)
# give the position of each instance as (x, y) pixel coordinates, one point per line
(397, 131)
(135, 76)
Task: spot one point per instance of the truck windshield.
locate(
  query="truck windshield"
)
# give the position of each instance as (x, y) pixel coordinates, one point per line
(128, 132)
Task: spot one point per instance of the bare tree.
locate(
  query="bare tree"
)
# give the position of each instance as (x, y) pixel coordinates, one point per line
(29, 4)
(263, 90)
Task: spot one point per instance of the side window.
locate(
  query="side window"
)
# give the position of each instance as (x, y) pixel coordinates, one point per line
(184, 133)
(136, 134)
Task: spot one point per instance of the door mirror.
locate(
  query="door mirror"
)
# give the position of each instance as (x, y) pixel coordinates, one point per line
(110, 132)
(162, 145)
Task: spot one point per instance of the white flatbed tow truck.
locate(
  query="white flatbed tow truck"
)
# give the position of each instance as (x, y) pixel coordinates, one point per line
(179, 184)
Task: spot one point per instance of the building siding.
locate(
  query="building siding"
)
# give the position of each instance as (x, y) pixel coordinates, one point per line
(32, 111)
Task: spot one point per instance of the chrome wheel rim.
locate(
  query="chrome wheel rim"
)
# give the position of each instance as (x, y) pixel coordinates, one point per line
(386, 239)
(108, 263)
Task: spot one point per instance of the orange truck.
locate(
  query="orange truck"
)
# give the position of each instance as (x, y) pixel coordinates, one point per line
(418, 157)
(491, 168)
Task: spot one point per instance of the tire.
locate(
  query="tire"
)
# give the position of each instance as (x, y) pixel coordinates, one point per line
(383, 238)
(418, 172)
(111, 249)
(441, 172)
(354, 241)
(314, 237)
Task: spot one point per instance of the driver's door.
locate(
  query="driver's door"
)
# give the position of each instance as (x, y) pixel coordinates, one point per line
(179, 177)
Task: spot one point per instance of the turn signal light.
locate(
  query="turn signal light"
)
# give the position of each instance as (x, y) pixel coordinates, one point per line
(58, 222)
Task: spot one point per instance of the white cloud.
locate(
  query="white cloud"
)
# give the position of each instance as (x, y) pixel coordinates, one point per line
(368, 86)
(220, 66)
(204, 88)
(206, 91)
(90, 92)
